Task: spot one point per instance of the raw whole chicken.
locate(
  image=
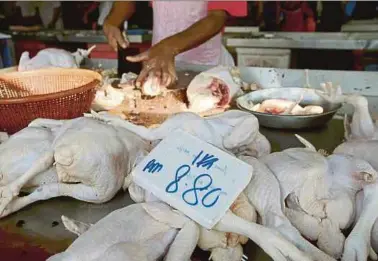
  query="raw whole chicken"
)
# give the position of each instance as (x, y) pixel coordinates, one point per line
(212, 89)
(128, 229)
(74, 154)
(234, 131)
(358, 244)
(82, 158)
(263, 192)
(223, 246)
(52, 57)
(280, 106)
(361, 143)
(314, 187)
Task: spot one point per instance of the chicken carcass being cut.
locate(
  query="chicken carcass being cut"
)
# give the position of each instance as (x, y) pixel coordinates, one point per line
(53, 57)
(84, 158)
(233, 130)
(140, 222)
(212, 89)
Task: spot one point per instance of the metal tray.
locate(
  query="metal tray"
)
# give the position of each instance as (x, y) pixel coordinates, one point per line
(310, 97)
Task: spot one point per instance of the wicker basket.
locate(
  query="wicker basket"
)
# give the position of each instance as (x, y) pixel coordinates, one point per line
(47, 93)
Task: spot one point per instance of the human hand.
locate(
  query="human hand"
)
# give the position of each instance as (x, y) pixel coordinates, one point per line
(114, 36)
(158, 62)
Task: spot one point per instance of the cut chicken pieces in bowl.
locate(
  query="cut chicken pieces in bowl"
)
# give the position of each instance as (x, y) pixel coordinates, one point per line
(288, 108)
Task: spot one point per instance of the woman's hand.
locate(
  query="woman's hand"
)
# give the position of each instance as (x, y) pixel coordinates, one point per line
(158, 61)
(114, 36)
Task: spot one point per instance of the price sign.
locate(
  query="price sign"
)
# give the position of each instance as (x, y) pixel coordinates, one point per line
(193, 176)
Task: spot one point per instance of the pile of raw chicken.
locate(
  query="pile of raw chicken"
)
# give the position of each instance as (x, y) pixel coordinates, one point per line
(296, 206)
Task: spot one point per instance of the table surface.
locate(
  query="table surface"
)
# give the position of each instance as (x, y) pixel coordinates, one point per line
(289, 40)
(36, 231)
(317, 40)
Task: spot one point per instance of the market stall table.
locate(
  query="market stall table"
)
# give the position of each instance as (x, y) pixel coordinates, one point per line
(36, 232)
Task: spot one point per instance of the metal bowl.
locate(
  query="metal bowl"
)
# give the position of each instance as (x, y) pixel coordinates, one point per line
(310, 97)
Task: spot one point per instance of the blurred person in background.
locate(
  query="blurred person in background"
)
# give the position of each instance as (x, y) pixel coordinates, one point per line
(270, 9)
(79, 15)
(332, 16)
(296, 16)
(187, 31)
(49, 12)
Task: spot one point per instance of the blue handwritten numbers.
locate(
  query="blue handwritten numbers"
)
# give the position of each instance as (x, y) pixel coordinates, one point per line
(202, 182)
(180, 173)
(153, 166)
(204, 187)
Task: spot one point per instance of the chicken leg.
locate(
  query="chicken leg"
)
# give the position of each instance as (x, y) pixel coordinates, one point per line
(263, 191)
(278, 248)
(358, 243)
(10, 191)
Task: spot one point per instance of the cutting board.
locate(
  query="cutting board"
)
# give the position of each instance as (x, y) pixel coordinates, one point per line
(154, 111)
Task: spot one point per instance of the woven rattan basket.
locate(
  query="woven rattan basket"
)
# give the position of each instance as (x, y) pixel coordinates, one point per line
(48, 93)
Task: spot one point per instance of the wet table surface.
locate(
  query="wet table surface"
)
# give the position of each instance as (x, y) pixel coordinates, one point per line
(36, 232)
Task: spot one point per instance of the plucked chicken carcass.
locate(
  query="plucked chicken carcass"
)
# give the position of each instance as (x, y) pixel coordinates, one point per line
(213, 88)
(223, 246)
(76, 152)
(264, 193)
(233, 130)
(358, 243)
(82, 158)
(312, 185)
(361, 143)
(346, 177)
(129, 228)
(53, 57)
(263, 196)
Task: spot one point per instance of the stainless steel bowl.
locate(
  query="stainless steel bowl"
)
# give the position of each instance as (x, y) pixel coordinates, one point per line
(310, 97)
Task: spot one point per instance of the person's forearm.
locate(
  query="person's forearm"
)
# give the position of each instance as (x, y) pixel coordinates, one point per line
(120, 12)
(196, 34)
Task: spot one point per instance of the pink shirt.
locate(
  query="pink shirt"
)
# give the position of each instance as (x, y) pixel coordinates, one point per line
(171, 17)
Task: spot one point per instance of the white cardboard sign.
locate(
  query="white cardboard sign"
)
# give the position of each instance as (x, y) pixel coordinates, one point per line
(193, 176)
